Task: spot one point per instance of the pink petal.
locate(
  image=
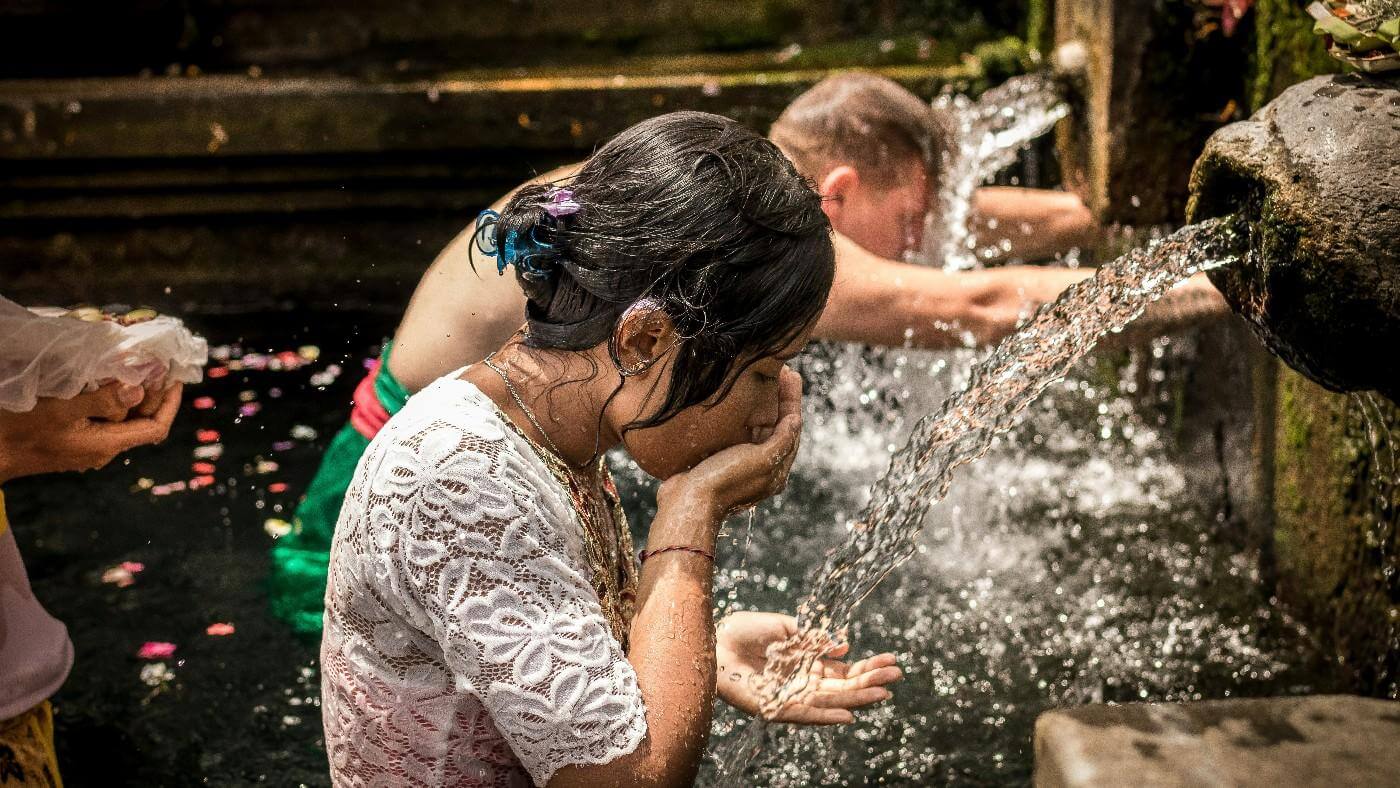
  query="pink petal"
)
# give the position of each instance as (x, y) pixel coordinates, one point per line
(155, 649)
(219, 629)
(133, 566)
(118, 576)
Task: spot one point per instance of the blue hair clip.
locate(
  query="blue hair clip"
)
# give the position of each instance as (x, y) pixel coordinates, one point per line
(484, 239)
(515, 252)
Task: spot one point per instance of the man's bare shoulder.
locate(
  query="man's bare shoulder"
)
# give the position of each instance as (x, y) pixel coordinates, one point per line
(461, 309)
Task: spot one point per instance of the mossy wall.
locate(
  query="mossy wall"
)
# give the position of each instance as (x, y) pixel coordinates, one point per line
(151, 149)
(1336, 545)
(1286, 51)
(72, 38)
(1158, 82)
(1040, 25)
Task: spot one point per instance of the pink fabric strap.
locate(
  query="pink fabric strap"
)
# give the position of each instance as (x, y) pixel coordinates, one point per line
(367, 414)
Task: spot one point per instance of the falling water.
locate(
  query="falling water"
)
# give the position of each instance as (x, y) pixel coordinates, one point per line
(1383, 480)
(999, 389)
(864, 407)
(984, 137)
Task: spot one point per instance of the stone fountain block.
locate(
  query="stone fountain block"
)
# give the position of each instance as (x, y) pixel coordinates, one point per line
(1317, 174)
(1324, 740)
(1149, 95)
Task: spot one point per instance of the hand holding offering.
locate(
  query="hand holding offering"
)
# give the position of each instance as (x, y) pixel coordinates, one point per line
(58, 354)
(83, 432)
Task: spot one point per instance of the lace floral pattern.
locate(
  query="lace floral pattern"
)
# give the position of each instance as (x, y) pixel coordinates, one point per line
(464, 643)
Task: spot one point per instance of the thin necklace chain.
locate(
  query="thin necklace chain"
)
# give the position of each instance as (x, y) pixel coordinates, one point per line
(603, 524)
(520, 403)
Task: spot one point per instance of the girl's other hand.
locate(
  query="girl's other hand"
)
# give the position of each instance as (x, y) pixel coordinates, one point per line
(833, 689)
(742, 475)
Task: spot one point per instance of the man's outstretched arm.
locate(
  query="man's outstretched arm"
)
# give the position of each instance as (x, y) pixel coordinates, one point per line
(1031, 224)
(882, 302)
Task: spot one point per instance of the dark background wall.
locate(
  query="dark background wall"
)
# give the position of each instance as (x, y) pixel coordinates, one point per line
(237, 150)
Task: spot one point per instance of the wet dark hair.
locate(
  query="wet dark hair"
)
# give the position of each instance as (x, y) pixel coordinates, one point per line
(693, 211)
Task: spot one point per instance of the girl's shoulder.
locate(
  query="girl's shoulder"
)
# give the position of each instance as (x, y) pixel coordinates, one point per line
(454, 403)
(450, 433)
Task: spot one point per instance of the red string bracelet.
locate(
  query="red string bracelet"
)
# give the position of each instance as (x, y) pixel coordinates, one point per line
(645, 554)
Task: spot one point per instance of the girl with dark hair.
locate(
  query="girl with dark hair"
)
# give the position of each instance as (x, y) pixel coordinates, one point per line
(486, 622)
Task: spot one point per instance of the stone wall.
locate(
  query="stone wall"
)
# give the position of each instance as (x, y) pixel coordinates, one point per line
(65, 38)
(230, 189)
(1158, 83)
(237, 151)
(1337, 548)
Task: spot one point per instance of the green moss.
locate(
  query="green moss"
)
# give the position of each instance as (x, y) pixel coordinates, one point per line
(1286, 51)
(1334, 537)
(1002, 59)
(1040, 26)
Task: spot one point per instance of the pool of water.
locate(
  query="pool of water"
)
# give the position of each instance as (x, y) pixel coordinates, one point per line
(1095, 554)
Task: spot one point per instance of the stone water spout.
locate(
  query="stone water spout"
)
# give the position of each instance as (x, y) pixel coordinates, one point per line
(1316, 173)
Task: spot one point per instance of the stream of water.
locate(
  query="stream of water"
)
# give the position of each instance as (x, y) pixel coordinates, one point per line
(984, 137)
(1000, 388)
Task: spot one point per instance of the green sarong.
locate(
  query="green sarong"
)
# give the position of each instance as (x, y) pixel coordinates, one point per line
(297, 578)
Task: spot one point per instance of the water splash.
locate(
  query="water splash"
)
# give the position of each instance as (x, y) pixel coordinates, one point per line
(1383, 449)
(999, 389)
(1383, 480)
(985, 137)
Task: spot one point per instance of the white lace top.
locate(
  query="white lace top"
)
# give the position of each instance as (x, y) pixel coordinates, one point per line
(464, 643)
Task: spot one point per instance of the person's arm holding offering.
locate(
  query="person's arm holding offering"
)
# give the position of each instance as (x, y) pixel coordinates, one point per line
(84, 432)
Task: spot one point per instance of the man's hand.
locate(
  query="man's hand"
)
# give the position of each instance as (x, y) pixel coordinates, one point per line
(833, 689)
(84, 432)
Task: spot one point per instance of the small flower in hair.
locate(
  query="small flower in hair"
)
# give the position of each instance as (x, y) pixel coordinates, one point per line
(560, 202)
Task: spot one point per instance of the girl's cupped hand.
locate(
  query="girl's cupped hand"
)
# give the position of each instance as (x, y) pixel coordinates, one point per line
(834, 687)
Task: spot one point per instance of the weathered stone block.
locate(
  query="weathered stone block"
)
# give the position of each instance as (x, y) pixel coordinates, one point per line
(1153, 92)
(1316, 174)
(1324, 740)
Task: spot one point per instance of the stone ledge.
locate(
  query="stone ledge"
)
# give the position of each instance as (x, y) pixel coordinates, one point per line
(1322, 740)
(227, 117)
(135, 149)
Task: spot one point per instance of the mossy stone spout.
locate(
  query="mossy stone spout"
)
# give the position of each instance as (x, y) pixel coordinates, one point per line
(1316, 175)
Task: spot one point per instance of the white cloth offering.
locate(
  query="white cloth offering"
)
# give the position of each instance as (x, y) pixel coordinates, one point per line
(45, 353)
(464, 643)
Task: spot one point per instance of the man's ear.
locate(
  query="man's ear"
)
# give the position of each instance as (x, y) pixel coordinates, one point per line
(643, 336)
(837, 188)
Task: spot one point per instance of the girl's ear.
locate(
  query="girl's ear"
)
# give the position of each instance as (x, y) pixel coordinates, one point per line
(836, 190)
(643, 337)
